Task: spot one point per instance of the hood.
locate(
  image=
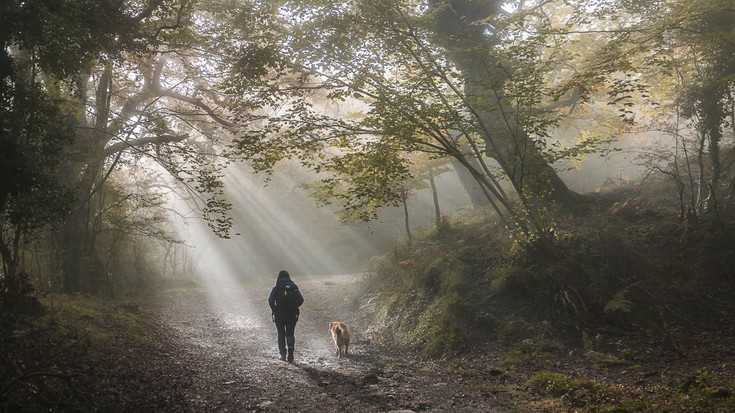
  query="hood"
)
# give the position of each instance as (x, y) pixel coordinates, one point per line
(283, 276)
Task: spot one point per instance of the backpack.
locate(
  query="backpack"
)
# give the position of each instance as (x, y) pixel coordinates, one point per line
(287, 297)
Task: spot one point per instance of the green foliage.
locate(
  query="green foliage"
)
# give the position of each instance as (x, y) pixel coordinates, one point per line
(706, 393)
(206, 178)
(363, 181)
(627, 273)
(444, 324)
(618, 304)
(412, 86)
(32, 136)
(123, 75)
(411, 308)
(432, 300)
(641, 274)
(139, 89)
(66, 36)
(666, 67)
(577, 391)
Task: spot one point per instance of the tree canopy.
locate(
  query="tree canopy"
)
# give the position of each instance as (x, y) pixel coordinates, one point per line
(356, 91)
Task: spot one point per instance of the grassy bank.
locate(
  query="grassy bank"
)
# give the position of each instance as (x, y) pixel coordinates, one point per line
(627, 312)
(59, 351)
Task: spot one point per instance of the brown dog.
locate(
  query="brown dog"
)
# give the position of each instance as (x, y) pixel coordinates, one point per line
(340, 336)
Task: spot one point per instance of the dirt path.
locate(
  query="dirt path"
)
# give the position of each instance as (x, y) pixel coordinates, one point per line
(216, 351)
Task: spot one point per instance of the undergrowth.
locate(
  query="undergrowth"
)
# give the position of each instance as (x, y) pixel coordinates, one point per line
(642, 273)
(699, 392)
(41, 367)
(614, 291)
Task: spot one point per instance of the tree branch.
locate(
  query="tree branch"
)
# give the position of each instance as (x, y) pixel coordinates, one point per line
(198, 103)
(157, 140)
(155, 87)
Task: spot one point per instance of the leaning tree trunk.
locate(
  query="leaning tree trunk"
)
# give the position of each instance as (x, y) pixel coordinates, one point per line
(460, 32)
(470, 184)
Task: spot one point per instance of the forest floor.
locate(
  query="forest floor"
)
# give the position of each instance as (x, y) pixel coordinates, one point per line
(214, 350)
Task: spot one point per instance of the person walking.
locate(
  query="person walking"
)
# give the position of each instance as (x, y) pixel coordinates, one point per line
(285, 300)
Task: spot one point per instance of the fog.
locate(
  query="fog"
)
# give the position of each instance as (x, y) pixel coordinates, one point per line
(624, 162)
(278, 225)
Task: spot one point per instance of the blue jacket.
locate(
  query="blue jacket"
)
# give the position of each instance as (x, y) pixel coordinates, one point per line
(282, 279)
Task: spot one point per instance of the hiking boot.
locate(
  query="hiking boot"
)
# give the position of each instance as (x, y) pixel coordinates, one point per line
(283, 357)
(290, 354)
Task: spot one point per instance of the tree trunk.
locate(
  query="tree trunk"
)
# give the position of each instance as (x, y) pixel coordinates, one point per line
(712, 117)
(470, 184)
(729, 209)
(470, 48)
(79, 262)
(435, 198)
(702, 177)
(404, 199)
(71, 241)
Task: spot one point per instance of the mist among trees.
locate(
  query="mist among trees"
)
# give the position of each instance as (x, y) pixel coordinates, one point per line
(136, 137)
(108, 114)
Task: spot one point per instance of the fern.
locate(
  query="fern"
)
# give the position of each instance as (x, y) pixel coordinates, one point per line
(618, 304)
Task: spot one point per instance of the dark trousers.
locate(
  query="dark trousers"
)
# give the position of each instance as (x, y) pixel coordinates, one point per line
(286, 324)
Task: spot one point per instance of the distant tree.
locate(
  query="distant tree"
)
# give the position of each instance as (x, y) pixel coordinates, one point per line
(686, 50)
(423, 170)
(469, 183)
(131, 232)
(706, 98)
(426, 169)
(405, 194)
